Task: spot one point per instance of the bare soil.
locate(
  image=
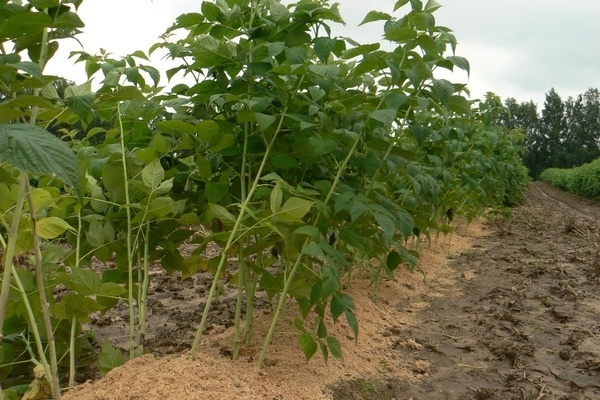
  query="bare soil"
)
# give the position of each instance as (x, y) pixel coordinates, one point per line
(509, 309)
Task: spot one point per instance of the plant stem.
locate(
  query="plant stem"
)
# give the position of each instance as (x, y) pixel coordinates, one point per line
(131, 300)
(72, 352)
(36, 332)
(290, 277)
(233, 238)
(143, 299)
(37, 248)
(10, 250)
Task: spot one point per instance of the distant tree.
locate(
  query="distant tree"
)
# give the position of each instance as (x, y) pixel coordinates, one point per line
(566, 133)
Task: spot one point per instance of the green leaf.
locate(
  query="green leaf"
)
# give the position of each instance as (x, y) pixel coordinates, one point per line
(36, 150)
(24, 23)
(393, 260)
(386, 224)
(375, 16)
(85, 282)
(444, 89)
(323, 48)
(204, 167)
(334, 347)
(352, 322)
(79, 90)
(160, 207)
(308, 230)
(210, 11)
(207, 130)
(400, 3)
(308, 345)
(278, 11)
(152, 175)
(294, 209)
(461, 63)
(216, 191)
(284, 161)
(276, 198)
(386, 116)
(220, 212)
(82, 106)
(264, 120)
(109, 358)
(52, 227)
(432, 5)
(172, 126)
(30, 68)
(360, 50)
(395, 32)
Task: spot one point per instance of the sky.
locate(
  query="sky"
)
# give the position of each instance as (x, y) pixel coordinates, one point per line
(516, 48)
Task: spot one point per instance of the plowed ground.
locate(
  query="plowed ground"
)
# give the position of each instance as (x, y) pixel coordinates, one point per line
(508, 310)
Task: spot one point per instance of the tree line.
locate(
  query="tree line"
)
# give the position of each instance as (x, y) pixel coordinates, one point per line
(565, 134)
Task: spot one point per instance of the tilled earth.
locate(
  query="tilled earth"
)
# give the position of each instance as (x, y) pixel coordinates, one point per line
(516, 316)
(528, 324)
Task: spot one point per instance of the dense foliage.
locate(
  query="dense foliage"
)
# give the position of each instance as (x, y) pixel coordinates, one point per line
(582, 180)
(565, 135)
(302, 152)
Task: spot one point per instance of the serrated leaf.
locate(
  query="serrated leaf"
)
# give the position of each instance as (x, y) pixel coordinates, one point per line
(314, 250)
(323, 48)
(360, 50)
(386, 116)
(294, 209)
(79, 90)
(375, 16)
(50, 92)
(264, 120)
(461, 63)
(278, 11)
(160, 207)
(85, 282)
(30, 68)
(432, 5)
(393, 260)
(276, 198)
(386, 224)
(216, 191)
(210, 10)
(308, 230)
(109, 358)
(334, 346)
(400, 3)
(308, 345)
(172, 126)
(220, 212)
(52, 227)
(444, 89)
(36, 150)
(152, 175)
(352, 322)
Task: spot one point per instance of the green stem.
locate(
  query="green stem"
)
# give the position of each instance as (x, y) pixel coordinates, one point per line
(37, 248)
(238, 303)
(143, 300)
(233, 236)
(10, 250)
(72, 352)
(290, 277)
(34, 328)
(131, 300)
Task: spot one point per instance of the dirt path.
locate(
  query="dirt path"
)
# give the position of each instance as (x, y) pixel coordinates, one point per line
(514, 314)
(527, 324)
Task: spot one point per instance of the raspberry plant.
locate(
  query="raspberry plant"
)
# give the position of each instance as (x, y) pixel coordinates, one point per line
(304, 153)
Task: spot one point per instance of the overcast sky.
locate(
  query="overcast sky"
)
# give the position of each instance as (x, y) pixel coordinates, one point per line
(517, 48)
